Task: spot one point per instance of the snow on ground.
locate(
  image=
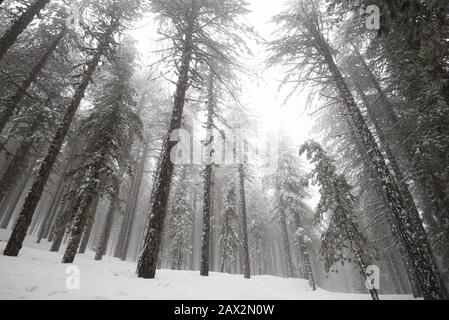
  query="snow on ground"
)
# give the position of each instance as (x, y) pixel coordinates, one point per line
(39, 274)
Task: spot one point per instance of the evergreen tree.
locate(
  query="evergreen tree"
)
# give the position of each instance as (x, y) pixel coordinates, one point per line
(106, 151)
(180, 222)
(308, 26)
(337, 200)
(229, 241)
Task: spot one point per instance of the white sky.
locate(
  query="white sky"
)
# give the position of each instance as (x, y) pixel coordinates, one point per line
(261, 95)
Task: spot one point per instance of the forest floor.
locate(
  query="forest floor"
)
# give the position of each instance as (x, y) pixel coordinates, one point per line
(39, 274)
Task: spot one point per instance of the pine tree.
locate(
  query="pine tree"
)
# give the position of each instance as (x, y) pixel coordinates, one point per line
(19, 25)
(196, 29)
(180, 222)
(343, 233)
(309, 27)
(107, 130)
(229, 241)
(106, 29)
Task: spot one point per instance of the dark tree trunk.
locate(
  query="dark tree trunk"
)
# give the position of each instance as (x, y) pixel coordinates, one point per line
(146, 267)
(206, 237)
(286, 244)
(434, 198)
(417, 248)
(193, 231)
(62, 219)
(12, 103)
(19, 25)
(246, 265)
(32, 199)
(83, 202)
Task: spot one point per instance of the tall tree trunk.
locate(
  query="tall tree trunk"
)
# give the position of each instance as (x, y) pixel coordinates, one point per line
(135, 198)
(11, 175)
(286, 244)
(208, 173)
(19, 25)
(106, 229)
(435, 199)
(32, 199)
(52, 209)
(193, 231)
(417, 248)
(83, 202)
(246, 265)
(146, 267)
(118, 251)
(88, 230)
(62, 218)
(380, 193)
(13, 102)
(17, 196)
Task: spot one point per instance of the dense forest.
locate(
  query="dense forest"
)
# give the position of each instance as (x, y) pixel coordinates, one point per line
(159, 162)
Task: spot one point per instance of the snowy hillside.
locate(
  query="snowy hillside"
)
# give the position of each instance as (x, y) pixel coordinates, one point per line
(38, 274)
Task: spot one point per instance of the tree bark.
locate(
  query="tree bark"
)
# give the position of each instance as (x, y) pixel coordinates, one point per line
(146, 267)
(417, 248)
(88, 230)
(286, 244)
(19, 25)
(52, 209)
(18, 162)
(206, 237)
(32, 199)
(17, 196)
(246, 265)
(135, 198)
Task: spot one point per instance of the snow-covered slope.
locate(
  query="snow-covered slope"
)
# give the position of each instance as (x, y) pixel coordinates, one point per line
(38, 274)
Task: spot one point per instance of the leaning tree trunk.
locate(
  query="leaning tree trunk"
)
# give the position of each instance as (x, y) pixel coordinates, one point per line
(135, 198)
(305, 264)
(435, 199)
(32, 199)
(396, 170)
(88, 230)
(90, 186)
(246, 265)
(18, 162)
(13, 103)
(62, 218)
(146, 267)
(418, 249)
(52, 209)
(19, 25)
(106, 230)
(379, 191)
